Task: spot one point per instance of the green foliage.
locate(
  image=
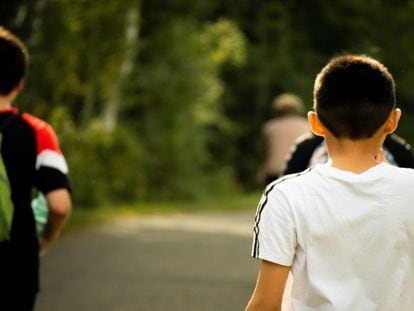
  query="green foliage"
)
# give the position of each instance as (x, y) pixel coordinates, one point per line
(177, 102)
(189, 113)
(288, 43)
(103, 166)
(77, 54)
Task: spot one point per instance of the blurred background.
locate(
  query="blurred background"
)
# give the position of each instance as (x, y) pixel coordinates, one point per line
(164, 99)
(158, 105)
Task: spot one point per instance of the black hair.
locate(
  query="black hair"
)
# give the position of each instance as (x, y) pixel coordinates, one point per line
(14, 58)
(353, 96)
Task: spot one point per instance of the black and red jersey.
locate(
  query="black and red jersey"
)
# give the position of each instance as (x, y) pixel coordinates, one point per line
(33, 159)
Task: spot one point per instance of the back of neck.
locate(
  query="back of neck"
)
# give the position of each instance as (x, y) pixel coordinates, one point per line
(6, 101)
(355, 156)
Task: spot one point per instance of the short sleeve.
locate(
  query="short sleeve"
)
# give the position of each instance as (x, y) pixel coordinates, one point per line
(49, 179)
(51, 167)
(275, 231)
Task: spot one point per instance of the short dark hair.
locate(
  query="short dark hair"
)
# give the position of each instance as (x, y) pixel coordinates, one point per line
(14, 58)
(353, 96)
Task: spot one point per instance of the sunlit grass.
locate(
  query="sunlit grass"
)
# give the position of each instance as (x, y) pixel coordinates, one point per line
(236, 202)
(82, 217)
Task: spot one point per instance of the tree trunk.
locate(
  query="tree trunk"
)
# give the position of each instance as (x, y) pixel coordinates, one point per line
(37, 22)
(112, 105)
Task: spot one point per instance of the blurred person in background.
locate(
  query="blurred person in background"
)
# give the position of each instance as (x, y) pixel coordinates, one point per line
(280, 133)
(32, 160)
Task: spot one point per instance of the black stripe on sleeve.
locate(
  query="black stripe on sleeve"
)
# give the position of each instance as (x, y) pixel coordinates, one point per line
(261, 206)
(49, 179)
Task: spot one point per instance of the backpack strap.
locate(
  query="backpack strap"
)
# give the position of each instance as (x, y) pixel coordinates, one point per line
(6, 204)
(9, 120)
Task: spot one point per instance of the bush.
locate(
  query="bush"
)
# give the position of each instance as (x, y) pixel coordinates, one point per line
(104, 167)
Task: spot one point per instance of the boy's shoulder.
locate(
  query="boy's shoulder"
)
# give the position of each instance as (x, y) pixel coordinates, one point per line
(35, 122)
(395, 170)
(401, 174)
(292, 180)
(321, 175)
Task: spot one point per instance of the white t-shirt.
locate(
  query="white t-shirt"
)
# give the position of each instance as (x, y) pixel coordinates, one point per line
(348, 237)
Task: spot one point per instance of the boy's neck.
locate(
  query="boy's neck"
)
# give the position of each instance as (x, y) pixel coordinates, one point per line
(6, 101)
(355, 156)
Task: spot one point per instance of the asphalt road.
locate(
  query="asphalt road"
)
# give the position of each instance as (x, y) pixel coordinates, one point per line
(198, 262)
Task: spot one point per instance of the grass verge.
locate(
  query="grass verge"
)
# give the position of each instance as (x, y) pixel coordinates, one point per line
(82, 217)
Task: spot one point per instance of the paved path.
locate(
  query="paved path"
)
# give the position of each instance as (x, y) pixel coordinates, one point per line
(196, 262)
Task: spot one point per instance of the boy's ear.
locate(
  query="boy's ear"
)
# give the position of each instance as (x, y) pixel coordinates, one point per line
(20, 86)
(392, 122)
(315, 124)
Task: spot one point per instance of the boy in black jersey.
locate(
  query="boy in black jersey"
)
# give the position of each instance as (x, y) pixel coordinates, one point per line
(33, 159)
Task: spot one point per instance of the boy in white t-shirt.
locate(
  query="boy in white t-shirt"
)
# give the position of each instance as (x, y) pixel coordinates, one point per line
(344, 229)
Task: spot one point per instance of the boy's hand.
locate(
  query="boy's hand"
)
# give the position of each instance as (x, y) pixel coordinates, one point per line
(43, 245)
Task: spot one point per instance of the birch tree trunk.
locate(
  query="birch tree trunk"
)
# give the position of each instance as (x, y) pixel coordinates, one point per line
(113, 104)
(37, 22)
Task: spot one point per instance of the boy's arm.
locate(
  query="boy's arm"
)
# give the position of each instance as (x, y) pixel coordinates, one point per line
(271, 281)
(60, 206)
